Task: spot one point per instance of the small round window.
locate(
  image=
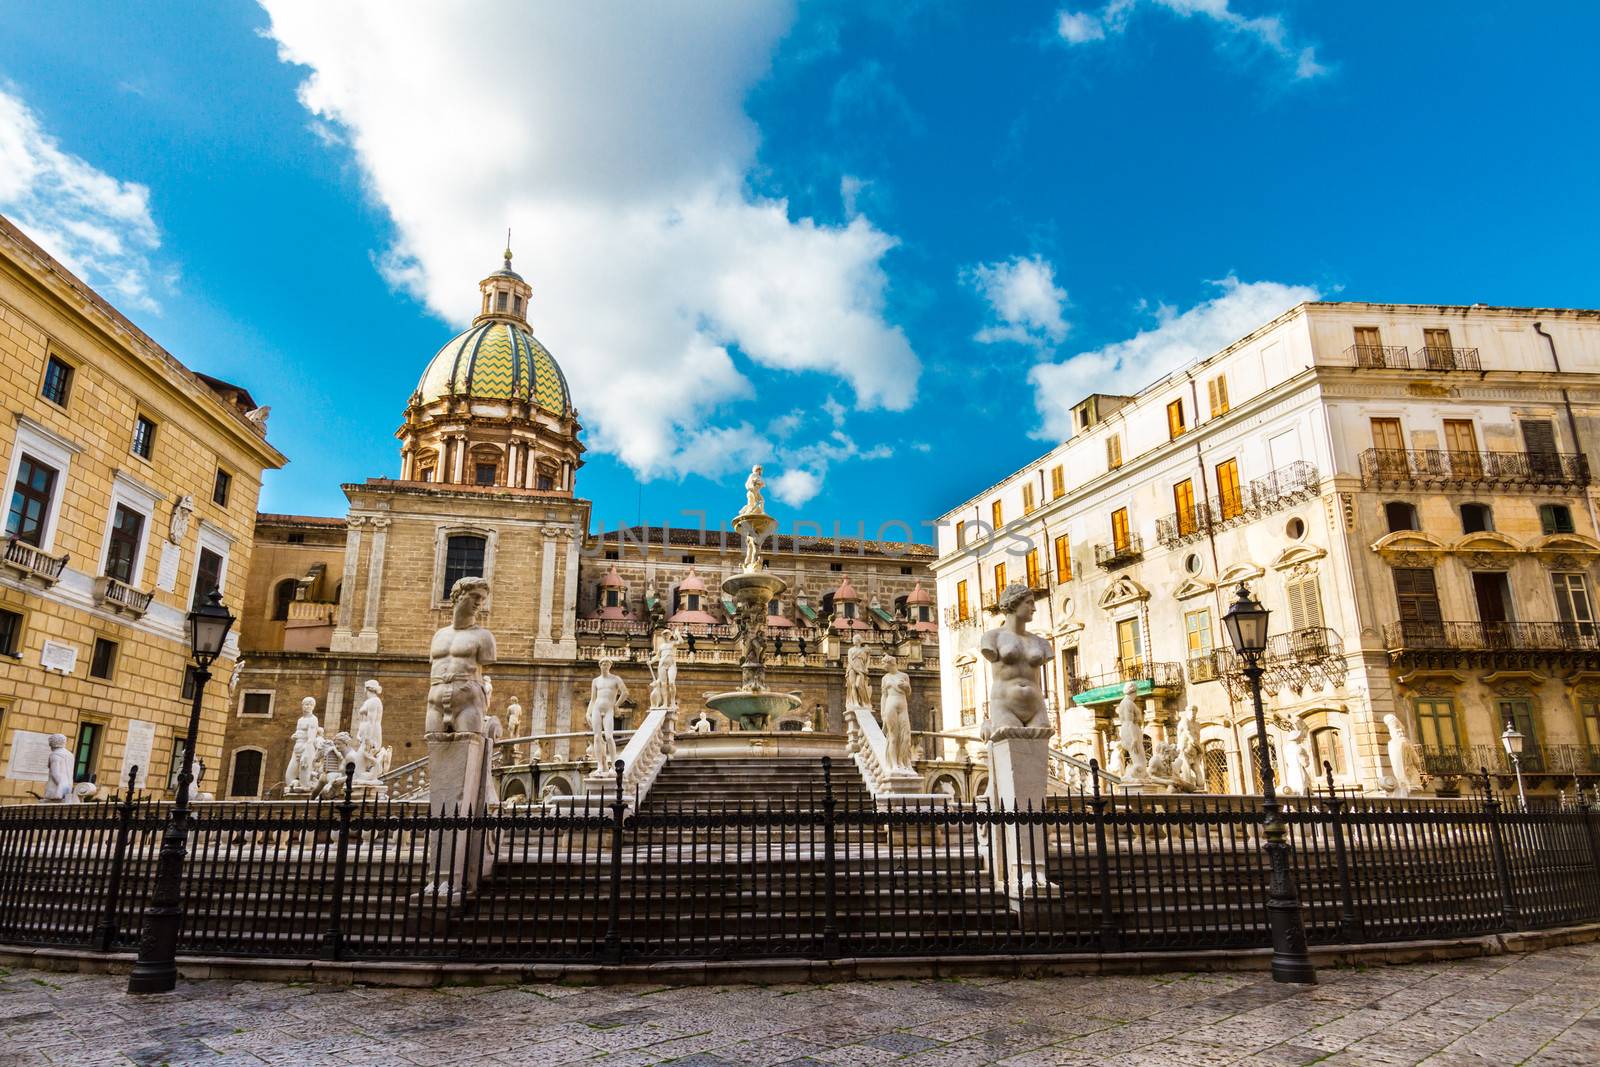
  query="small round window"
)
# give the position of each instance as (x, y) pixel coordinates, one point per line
(1296, 529)
(1191, 563)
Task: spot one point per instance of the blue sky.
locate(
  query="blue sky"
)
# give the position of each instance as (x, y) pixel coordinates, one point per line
(879, 248)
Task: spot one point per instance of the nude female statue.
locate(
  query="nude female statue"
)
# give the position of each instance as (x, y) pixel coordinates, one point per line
(895, 690)
(456, 696)
(606, 694)
(857, 688)
(1016, 657)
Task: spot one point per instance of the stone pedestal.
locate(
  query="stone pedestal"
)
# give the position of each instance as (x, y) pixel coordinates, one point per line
(458, 860)
(1019, 774)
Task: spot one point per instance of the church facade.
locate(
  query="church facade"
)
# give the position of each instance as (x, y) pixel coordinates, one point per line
(490, 454)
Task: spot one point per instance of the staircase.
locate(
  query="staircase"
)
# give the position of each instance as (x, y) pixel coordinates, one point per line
(784, 782)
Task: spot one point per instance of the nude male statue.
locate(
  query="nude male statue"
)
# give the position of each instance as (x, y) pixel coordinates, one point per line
(606, 694)
(457, 699)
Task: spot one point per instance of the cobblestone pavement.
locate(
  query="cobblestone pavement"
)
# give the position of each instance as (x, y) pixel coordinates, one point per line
(1541, 1008)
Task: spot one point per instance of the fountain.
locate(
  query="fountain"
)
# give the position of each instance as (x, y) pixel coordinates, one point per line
(753, 705)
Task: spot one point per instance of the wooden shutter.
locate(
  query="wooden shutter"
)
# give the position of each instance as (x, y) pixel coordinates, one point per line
(1417, 595)
(1183, 501)
(1305, 604)
(1063, 559)
(1119, 528)
(1539, 436)
(1217, 394)
(1175, 418)
(1229, 501)
(1386, 435)
(1113, 451)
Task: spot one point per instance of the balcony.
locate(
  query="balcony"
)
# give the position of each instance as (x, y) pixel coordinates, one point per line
(1447, 762)
(1272, 492)
(1206, 668)
(1308, 658)
(1150, 677)
(1444, 469)
(612, 627)
(1509, 644)
(1429, 358)
(1558, 761)
(1115, 555)
(34, 563)
(956, 619)
(120, 597)
(1379, 357)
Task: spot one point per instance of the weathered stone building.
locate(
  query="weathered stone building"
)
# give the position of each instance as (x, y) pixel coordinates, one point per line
(131, 488)
(1408, 488)
(489, 458)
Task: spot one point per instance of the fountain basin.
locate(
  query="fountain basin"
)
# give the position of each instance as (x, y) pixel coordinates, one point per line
(752, 710)
(755, 588)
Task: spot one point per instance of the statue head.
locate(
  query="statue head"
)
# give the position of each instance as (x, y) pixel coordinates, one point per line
(1015, 599)
(308, 706)
(605, 664)
(1130, 689)
(756, 470)
(1392, 721)
(468, 596)
(58, 741)
(890, 664)
(373, 687)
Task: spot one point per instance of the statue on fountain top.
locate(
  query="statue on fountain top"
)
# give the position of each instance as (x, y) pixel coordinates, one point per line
(753, 502)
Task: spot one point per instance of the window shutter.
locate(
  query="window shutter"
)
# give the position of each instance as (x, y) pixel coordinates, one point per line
(1305, 604)
(1539, 435)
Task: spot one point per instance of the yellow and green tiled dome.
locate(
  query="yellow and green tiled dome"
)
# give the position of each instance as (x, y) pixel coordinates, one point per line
(497, 360)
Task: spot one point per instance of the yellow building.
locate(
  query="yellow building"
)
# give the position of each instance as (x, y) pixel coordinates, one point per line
(131, 485)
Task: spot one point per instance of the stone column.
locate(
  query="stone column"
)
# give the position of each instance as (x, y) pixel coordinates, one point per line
(341, 641)
(567, 648)
(1019, 773)
(367, 639)
(543, 647)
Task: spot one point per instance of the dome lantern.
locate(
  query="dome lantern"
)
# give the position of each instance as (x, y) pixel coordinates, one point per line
(505, 294)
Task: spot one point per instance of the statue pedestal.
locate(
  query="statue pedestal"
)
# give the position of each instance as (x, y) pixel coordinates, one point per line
(458, 860)
(1019, 774)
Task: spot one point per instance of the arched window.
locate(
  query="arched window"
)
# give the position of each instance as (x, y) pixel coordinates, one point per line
(1216, 761)
(1476, 518)
(1327, 747)
(463, 558)
(1401, 515)
(282, 597)
(245, 780)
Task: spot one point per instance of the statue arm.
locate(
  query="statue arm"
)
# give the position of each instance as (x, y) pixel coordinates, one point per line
(487, 653)
(989, 646)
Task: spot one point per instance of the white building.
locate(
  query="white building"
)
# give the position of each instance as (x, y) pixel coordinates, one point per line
(1406, 487)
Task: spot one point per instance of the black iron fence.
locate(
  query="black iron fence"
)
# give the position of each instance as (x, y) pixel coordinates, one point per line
(827, 877)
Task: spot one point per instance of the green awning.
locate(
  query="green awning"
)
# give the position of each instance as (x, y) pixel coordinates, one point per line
(806, 610)
(884, 615)
(730, 607)
(1105, 694)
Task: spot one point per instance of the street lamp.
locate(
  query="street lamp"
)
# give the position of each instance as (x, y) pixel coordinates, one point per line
(156, 970)
(1512, 741)
(1246, 623)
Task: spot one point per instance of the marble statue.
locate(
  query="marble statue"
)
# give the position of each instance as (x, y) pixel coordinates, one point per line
(178, 523)
(233, 679)
(1015, 656)
(457, 698)
(1114, 759)
(701, 725)
(606, 694)
(303, 748)
(514, 717)
(808, 727)
(1189, 767)
(753, 503)
(1404, 765)
(258, 416)
(197, 771)
(1162, 758)
(375, 756)
(1296, 762)
(1130, 732)
(667, 670)
(58, 786)
(857, 688)
(895, 690)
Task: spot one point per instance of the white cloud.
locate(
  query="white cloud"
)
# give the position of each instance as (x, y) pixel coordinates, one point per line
(1268, 32)
(805, 466)
(613, 141)
(1177, 338)
(98, 226)
(796, 486)
(1024, 301)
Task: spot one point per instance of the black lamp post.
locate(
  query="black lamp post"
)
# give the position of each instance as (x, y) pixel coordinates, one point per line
(1246, 621)
(1511, 740)
(156, 970)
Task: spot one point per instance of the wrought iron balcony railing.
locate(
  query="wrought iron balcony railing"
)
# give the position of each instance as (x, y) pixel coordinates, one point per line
(1295, 659)
(1271, 492)
(1203, 668)
(1447, 762)
(121, 597)
(1379, 357)
(1429, 357)
(1439, 467)
(956, 619)
(1160, 676)
(1492, 636)
(1114, 555)
(34, 562)
(1558, 760)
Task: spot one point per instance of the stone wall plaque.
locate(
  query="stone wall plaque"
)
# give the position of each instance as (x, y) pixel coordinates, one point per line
(30, 757)
(136, 752)
(58, 656)
(167, 571)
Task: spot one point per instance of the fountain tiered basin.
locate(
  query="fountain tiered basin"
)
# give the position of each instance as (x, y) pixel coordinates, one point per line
(753, 706)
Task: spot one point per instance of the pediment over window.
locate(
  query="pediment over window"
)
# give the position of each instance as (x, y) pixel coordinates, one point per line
(1192, 587)
(1123, 591)
(1408, 543)
(1298, 555)
(1069, 628)
(1565, 545)
(1239, 572)
(1484, 541)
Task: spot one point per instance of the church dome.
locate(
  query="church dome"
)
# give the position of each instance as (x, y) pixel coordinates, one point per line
(497, 359)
